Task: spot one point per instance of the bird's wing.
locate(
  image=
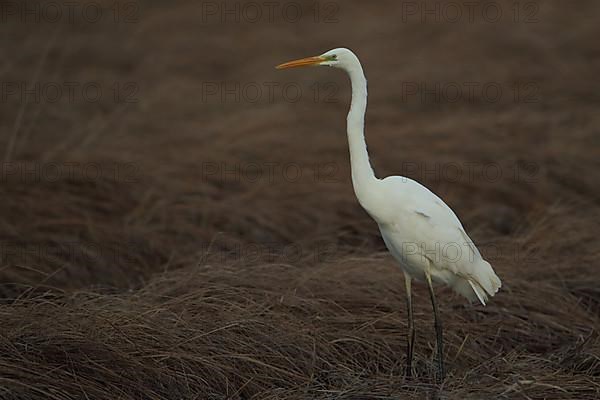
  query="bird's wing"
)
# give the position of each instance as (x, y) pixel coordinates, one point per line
(424, 218)
(414, 215)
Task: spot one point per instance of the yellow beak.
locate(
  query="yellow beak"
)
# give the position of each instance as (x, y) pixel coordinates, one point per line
(303, 62)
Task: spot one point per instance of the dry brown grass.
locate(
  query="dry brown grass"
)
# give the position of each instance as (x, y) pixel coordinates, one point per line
(168, 281)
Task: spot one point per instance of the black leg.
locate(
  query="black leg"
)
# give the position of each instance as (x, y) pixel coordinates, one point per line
(438, 330)
(411, 326)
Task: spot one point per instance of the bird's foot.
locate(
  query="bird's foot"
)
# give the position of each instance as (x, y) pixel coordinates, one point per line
(440, 375)
(408, 375)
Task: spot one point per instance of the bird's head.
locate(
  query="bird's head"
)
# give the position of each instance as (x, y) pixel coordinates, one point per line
(339, 58)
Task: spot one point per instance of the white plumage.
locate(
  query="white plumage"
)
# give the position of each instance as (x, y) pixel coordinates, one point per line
(419, 229)
(424, 234)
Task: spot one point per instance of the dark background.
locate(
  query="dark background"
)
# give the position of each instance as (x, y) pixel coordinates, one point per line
(177, 218)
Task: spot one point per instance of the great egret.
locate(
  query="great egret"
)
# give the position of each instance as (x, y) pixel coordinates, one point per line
(418, 228)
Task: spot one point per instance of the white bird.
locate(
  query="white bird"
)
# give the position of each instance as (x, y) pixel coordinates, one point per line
(419, 229)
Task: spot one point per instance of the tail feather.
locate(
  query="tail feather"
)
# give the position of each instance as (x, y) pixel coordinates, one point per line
(481, 296)
(481, 285)
(487, 278)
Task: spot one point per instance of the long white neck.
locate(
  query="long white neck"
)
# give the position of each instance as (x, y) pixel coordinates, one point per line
(362, 172)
